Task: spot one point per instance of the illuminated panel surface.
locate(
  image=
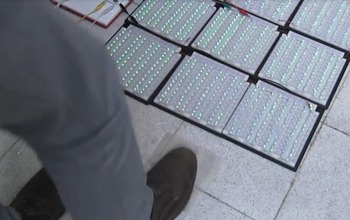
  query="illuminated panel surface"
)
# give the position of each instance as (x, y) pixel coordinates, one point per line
(177, 20)
(204, 91)
(142, 60)
(326, 20)
(304, 66)
(274, 10)
(236, 39)
(261, 116)
(273, 122)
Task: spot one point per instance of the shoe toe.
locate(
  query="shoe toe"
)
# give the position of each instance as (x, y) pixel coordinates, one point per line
(177, 171)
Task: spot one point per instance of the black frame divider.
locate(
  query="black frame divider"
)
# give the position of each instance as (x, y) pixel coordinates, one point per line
(252, 79)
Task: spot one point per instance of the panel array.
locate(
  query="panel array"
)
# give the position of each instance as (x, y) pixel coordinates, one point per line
(305, 67)
(326, 20)
(204, 91)
(276, 11)
(142, 60)
(177, 20)
(236, 39)
(273, 122)
(276, 116)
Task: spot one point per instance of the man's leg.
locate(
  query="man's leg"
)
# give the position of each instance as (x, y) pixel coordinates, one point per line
(92, 157)
(60, 91)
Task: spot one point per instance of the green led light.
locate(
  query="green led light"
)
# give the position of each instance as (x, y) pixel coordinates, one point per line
(142, 59)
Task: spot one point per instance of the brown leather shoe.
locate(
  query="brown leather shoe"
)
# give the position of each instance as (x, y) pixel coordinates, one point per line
(39, 199)
(172, 180)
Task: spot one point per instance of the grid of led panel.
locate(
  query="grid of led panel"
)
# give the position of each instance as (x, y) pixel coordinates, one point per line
(276, 11)
(326, 20)
(305, 67)
(261, 116)
(273, 122)
(142, 59)
(236, 39)
(177, 20)
(204, 91)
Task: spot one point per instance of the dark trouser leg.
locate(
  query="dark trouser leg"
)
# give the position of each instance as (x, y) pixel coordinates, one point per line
(7, 213)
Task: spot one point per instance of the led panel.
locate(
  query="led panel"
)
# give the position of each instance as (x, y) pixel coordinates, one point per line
(177, 20)
(276, 10)
(236, 39)
(326, 20)
(273, 122)
(204, 91)
(304, 66)
(142, 59)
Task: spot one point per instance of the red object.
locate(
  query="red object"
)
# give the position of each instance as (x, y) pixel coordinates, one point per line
(240, 10)
(243, 12)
